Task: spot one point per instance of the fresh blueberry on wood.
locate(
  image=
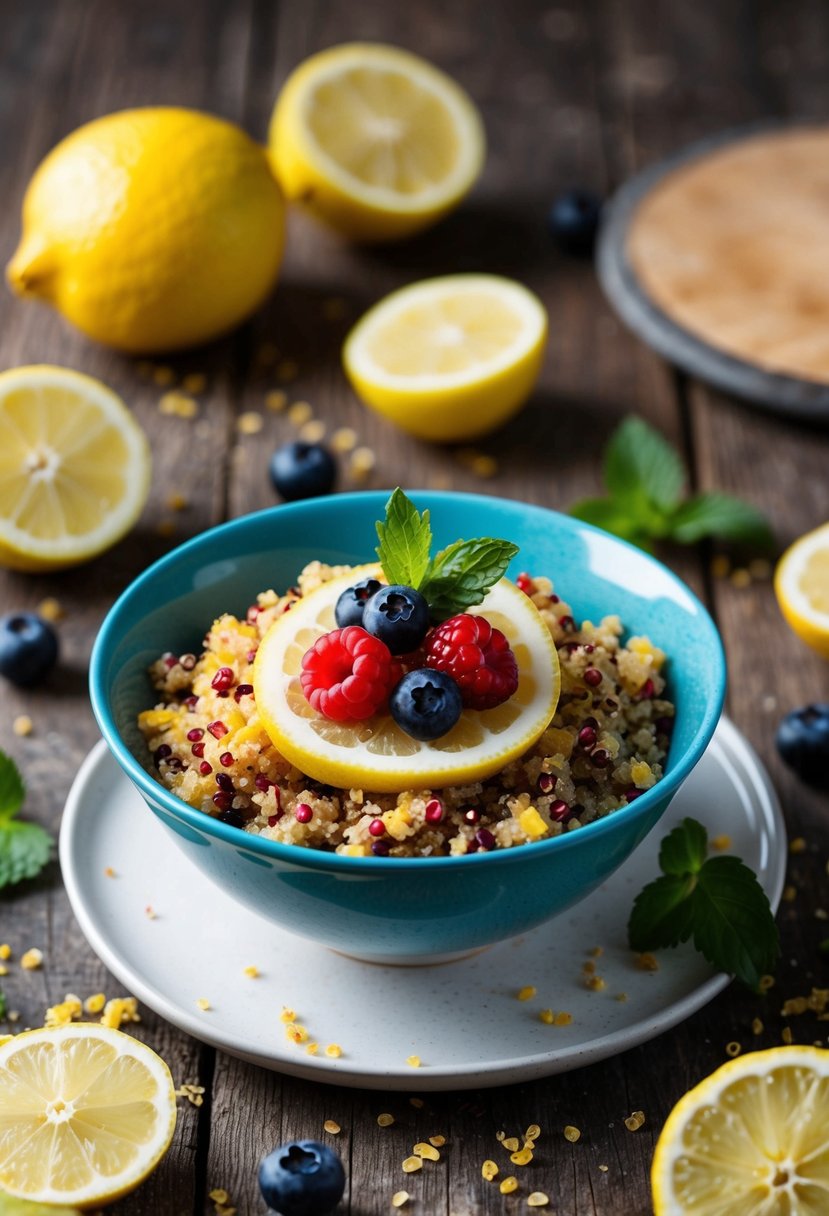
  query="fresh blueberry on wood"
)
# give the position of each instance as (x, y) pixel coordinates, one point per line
(302, 1178)
(303, 470)
(803, 742)
(574, 221)
(28, 648)
(352, 602)
(398, 616)
(426, 704)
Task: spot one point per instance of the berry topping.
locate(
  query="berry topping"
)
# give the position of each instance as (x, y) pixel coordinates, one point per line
(348, 674)
(303, 1178)
(574, 221)
(803, 742)
(303, 470)
(477, 657)
(399, 616)
(350, 605)
(28, 648)
(426, 704)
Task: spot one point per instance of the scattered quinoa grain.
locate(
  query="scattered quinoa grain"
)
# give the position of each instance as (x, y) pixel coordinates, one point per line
(331, 1127)
(334, 1051)
(249, 423)
(789, 893)
(219, 1195)
(362, 463)
(720, 565)
(177, 502)
(13, 1015)
(163, 376)
(5, 951)
(759, 568)
(252, 972)
(95, 1003)
(311, 1049)
(178, 405)
(757, 1026)
(595, 983)
(489, 1171)
(296, 1033)
(563, 1019)
(120, 1010)
(509, 1185)
(523, 1157)
(385, 1120)
(635, 1120)
(203, 1004)
(537, 1200)
(596, 952)
(427, 1151)
(410, 1164)
(740, 579)
(547, 1017)
(733, 1049)
(532, 1132)
(287, 1014)
(721, 843)
(438, 1141)
(109, 872)
(621, 997)
(399, 1198)
(413, 1061)
(50, 609)
(572, 1134)
(786, 1035)
(344, 439)
(22, 725)
(510, 1143)
(32, 959)
(166, 529)
(766, 982)
(647, 962)
(417, 1103)
(3, 969)
(150, 912)
(287, 370)
(798, 845)
(276, 400)
(299, 413)
(195, 382)
(312, 431)
(604, 1168)
(526, 994)
(67, 1011)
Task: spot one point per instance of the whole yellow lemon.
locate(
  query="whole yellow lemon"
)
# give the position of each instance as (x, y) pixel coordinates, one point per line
(152, 229)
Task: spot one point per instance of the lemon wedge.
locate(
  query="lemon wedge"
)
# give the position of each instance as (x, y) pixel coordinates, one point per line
(449, 358)
(86, 1113)
(801, 583)
(750, 1140)
(74, 468)
(374, 140)
(376, 754)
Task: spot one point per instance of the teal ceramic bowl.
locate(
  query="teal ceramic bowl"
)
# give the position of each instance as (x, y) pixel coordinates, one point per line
(398, 909)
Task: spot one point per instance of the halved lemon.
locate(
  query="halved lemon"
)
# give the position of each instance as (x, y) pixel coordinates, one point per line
(801, 583)
(750, 1140)
(85, 1114)
(74, 468)
(376, 754)
(449, 358)
(374, 140)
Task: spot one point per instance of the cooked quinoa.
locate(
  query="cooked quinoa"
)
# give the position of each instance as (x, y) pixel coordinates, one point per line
(604, 747)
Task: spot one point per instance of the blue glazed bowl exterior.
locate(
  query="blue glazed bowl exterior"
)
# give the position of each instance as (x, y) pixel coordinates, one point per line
(402, 909)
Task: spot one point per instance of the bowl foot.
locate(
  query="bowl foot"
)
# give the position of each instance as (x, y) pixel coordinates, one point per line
(410, 960)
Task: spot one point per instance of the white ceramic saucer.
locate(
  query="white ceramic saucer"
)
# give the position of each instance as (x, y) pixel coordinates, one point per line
(462, 1020)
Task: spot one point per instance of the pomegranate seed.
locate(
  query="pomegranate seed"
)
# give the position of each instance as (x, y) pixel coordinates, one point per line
(174, 764)
(547, 783)
(244, 690)
(645, 691)
(198, 750)
(559, 811)
(434, 811)
(472, 846)
(593, 677)
(250, 656)
(587, 736)
(187, 661)
(610, 703)
(205, 768)
(567, 623)
(664, 726)
(303, 813)
(555, 599)
(223, 679)
(217, 729)
(485, 838)
(224, 782)
(377, 827)
(252, 613)
(589, 648)
(524, 583)
(380, 848)
(633, 794)
(600, 758)
(226, 759)
(191, 702)
(162, 752)
(170, 660)
(472, 816)
(222, 800)
(273, 820)
(195, 734)
(262, 782)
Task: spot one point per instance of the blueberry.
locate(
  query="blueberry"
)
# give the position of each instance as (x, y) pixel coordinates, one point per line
(574, 220)
(350, 605)
(302, 1178)
(28, 648)
(398, 616)
(426, 704)
(303, 470)
(803, 742)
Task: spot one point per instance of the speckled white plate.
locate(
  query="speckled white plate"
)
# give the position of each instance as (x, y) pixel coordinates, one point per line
(462, 1019)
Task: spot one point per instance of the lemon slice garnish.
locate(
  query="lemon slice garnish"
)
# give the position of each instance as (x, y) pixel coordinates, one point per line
(801, 582)
(74, 468)
(449, 358)
(86, 1113)
(374, 140)
(376, 754)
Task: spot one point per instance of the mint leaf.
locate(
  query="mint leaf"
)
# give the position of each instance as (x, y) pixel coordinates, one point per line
(685, 849)
(460, 575)
(12, 791)
(641, 466)
(405, 540)
(25, 848)
(734, 927)
(720, 515)
(716, 901)
(613, 517)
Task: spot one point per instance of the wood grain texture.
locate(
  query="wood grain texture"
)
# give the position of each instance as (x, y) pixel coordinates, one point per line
(571, 93)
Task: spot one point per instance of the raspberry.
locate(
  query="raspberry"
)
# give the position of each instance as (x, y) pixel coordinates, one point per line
(477, 657)
(347, 674)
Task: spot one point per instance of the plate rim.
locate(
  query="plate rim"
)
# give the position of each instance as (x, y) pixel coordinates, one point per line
(436, 1078)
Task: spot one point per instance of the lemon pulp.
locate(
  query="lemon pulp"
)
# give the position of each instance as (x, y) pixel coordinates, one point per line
(801, 583)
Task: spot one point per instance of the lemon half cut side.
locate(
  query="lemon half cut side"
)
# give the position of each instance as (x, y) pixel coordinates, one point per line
(801, 583)
(750, 1140)
(75, 468)
(376, 754)
(86, 1113)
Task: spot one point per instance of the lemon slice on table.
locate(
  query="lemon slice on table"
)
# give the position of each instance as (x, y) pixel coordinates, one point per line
(801, 582)
(374, 140)
(85, 1114)
(750, 1140)
(449, 358)
(74, 468)
(376, 754)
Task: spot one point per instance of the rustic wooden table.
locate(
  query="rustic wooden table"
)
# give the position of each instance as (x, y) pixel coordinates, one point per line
(572, 93)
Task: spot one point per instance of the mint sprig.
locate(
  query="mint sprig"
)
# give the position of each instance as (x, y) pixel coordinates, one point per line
(25, 848)
(716, 901)
(456, 578)
(645, 480)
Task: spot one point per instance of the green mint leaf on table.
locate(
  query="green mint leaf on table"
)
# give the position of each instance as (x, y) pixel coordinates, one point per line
(25, 848)
(716, 901)
(460, 575)
(720, 515)
(405, 540)
(640, 467)
(613, 517)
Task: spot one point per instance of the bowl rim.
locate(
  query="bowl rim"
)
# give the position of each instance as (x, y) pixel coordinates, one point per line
(309, 858)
